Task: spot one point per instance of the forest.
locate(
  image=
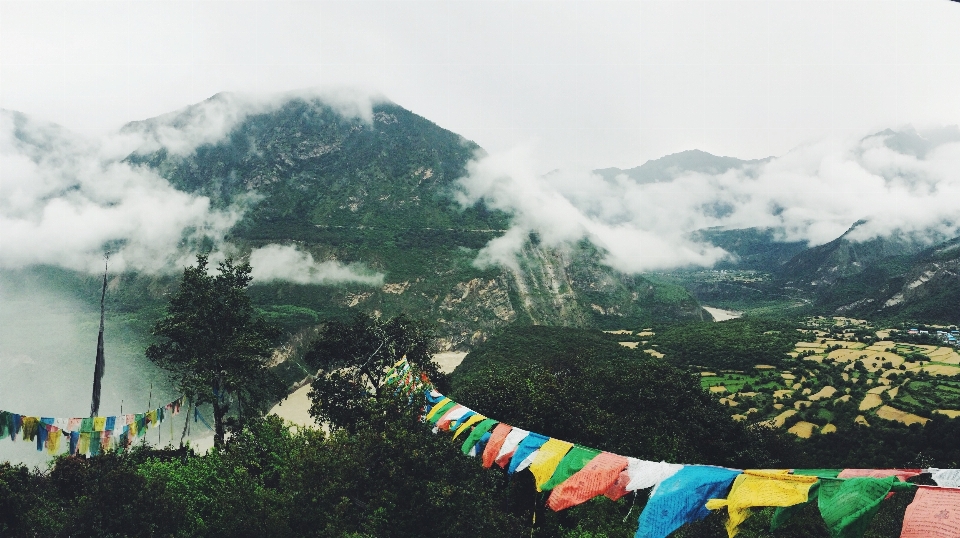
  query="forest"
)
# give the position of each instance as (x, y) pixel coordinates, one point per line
(381, 472)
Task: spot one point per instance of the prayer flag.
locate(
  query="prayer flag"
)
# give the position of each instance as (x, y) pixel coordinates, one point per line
(761, 488)
(530, 443)
(848, 506)
(946, 478)
(934, 513)
(454, 424)
(681, 499)
(497, 437)
(548, 458)
(509, 446)
(478, 431)
(783, 514)
(470, 421)
(640, 474)
(592, 480)
(439, 407)
(577, 458)
(453, 414)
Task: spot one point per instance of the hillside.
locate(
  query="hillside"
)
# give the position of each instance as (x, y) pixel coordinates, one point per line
(897, 277)
(380, 194)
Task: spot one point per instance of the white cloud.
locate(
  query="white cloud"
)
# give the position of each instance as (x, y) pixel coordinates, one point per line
(66, 200)
(286, 262)
(813, 193)
(183, 131)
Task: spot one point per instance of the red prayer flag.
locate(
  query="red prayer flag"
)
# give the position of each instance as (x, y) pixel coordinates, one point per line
(934, 513)
(594, 479)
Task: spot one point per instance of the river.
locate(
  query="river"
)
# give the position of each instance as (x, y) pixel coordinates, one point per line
(722, 315)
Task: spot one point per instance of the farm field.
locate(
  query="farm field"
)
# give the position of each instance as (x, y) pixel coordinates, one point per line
(843, 372)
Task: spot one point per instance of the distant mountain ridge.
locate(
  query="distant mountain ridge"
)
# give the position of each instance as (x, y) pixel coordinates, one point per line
(669, 167)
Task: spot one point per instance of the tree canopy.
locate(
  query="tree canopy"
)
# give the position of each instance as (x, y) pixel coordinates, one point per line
(353, 358)
(214, 346)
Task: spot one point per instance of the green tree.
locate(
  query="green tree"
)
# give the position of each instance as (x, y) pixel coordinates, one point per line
(354, 358)
(214, 346)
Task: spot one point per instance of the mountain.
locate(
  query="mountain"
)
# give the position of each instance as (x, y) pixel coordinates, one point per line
(380, 192)
(758, 249)
(671, 166)
(900, 276)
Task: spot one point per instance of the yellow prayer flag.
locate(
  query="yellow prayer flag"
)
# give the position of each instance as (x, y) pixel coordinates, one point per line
(547, 460)
(83, 446)
(473, 419)
(99, 423)
(437, 407)
(53, 441)
(761, 488)
(152, 418)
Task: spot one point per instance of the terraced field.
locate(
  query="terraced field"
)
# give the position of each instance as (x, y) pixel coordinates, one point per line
(834, 382)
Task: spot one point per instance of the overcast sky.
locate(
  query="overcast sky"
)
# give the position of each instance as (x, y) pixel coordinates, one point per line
(579, 84)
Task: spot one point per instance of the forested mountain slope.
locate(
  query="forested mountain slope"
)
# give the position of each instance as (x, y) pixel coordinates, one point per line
(380, 193)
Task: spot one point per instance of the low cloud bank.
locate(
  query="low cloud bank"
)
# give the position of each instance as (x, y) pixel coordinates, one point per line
(68, 199)
(898, 181)
(286, 262)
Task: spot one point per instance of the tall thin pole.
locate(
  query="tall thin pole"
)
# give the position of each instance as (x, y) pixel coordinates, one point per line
(101, 361)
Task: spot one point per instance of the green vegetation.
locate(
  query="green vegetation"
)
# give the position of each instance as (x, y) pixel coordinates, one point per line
(353, 359)
(580, 386)
(738, 344)
(214, 346)
(385, 475)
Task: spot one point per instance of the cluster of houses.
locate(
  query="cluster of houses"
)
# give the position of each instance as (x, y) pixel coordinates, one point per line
(950, 338)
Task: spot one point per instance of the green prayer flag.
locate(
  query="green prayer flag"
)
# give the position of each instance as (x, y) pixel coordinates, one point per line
(481, 428)
(783, 514)
(86, 425)
(848, 506)
(577, 458)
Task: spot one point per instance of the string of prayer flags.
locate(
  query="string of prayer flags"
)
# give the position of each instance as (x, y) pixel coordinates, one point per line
(547, 459)
(848, 505)
(847, 500)
(592, 480)
(758, 489)
(934, 513)
(682, 499)
(945, 478)
(85, 435)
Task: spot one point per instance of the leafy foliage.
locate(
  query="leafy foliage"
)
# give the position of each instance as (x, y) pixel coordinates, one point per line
(213, 344)
(735, 344)
(354, 358)
(583, 387)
